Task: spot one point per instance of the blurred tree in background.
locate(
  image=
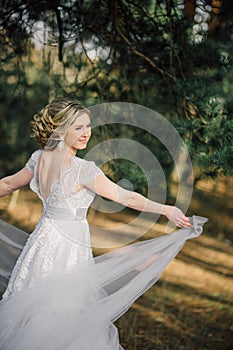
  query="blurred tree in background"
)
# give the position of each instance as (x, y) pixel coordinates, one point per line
(174, 56)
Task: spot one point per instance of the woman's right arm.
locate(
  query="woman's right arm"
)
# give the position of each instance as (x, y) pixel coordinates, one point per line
(11, 183)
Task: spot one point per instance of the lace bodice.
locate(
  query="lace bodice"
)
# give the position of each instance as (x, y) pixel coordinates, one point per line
(61, 239)
(62, 192)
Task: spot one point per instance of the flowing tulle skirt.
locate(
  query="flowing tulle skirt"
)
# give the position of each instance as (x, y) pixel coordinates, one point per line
(76, 309)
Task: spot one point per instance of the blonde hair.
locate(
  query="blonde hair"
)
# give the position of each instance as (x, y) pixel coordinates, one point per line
(53, 121)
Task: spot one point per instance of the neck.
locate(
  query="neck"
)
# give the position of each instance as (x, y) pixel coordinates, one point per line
(68, 152)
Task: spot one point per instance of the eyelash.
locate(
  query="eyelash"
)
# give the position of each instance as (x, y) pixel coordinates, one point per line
(88, 126)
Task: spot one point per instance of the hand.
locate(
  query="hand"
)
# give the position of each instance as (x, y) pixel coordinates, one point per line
(175, 215)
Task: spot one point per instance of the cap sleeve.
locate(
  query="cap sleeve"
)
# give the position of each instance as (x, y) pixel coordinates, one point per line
(88, 172)
(30, 165)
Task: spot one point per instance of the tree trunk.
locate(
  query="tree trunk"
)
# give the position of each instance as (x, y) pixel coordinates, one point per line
(189, 9)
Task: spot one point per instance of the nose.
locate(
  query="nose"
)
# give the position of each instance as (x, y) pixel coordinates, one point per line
(86, 131)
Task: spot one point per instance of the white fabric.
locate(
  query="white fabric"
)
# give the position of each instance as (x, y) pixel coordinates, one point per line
(12, 241)
(61, 298)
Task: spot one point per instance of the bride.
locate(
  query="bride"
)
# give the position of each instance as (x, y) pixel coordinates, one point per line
(59, 297)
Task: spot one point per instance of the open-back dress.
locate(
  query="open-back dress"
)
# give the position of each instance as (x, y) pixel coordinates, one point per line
(58, 296)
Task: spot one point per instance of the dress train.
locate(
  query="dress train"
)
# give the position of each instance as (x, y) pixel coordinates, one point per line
(76, 310)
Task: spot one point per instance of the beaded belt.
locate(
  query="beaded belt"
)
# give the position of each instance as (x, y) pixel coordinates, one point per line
(58, 213)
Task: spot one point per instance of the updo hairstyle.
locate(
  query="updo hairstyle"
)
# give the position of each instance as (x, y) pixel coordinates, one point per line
(53, 121)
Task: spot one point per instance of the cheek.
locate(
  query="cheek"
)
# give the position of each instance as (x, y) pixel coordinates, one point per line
(73, 136)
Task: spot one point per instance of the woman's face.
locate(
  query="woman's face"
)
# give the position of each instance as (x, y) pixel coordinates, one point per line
(79, 132)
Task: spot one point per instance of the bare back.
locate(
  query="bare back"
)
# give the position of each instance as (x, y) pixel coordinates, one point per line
(50, 167)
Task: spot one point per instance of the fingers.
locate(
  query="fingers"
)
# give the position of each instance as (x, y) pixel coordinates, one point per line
(184, 222)
(177, 217)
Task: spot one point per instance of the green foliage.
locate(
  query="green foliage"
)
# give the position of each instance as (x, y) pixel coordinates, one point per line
(142, 52)
(121, 170)
(19, 101)
(210, 140)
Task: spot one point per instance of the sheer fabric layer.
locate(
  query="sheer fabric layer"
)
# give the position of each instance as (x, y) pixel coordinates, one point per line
(75, 310)
(12, 241)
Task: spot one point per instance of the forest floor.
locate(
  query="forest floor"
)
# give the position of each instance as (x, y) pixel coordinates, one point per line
(191, 306)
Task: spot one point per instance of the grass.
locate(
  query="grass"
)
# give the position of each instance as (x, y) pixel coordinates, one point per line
(191, 306)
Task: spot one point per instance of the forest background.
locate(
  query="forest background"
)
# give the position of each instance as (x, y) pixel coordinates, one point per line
(173, 56)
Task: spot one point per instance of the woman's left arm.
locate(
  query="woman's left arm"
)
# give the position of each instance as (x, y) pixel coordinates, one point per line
(108, 189)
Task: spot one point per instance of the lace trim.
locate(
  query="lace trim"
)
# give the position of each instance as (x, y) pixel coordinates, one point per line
(87, 172)
(31, 163)
(79, 172)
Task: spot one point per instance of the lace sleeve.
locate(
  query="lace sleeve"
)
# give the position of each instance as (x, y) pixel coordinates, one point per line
(30, 165)
(88, 172)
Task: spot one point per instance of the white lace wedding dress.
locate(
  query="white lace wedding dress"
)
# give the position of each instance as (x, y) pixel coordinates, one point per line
(61, 298)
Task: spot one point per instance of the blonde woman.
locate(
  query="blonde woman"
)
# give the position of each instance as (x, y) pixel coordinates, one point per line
(59, 296)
